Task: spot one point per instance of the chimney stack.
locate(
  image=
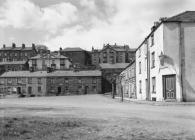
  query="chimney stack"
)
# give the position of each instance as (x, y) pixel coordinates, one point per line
(163, 19)
(33, 46)
(13, 45)
(4, 45)
(23, 46)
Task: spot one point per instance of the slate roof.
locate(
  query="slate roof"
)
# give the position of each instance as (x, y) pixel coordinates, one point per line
(13, 63)
(49, 56)
(16, 48)
(187, 16)
(113, 66)
(72, 49)
(52, 74)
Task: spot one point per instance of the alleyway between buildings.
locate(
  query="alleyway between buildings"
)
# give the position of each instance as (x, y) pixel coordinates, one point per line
(93, 117)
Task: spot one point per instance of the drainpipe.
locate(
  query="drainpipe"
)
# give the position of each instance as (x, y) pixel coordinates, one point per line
(182, 61)
(148, 73)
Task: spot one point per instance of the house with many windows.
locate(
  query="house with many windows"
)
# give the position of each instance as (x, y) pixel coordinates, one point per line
(55, 61)
(165, 60)
(112, 54)
(42, 83)
(125, 82)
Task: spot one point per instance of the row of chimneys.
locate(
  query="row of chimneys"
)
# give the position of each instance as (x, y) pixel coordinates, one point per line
(14, 45)
(156, 23)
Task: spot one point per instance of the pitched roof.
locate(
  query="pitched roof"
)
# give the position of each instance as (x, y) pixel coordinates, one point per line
(12, 63)
(16, 48)
(113, 66)
(187, 16)
(52, 74)
(72, 49)
(49, 56)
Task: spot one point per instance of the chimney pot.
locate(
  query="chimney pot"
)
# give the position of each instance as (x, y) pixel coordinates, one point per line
(33, 45)
(23, 45)
(13, 45)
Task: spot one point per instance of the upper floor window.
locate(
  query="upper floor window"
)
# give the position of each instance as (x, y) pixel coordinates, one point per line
(39, 81)
(153, 59)
(34, 62)
(154, 84)
(62, 61)
(145, 63)
(94, 81)
(152, 39)
(139, 52)
(139, 67)
(29, 80)
(53, 61)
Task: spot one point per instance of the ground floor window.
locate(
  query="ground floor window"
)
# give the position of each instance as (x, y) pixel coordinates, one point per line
(39, 89)
(140, 86)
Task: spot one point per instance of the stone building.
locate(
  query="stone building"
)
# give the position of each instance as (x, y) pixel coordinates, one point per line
(13, 66)
(41, 83)
(109, 73)
(113, 54)
(78, 56)
(14, 53)
(55, 61)
(165, 60)
(15, 58)
(126, 80)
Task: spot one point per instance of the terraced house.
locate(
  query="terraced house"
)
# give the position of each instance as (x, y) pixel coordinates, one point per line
(126, 82)
(42, 83)
(165, 60)
(13, 58)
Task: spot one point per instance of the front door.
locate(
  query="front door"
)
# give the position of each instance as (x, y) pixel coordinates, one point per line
(29, 90)
(169, 86)
(59, 91)
(18, 90)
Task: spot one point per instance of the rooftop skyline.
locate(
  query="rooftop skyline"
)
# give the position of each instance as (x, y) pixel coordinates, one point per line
(83, 23)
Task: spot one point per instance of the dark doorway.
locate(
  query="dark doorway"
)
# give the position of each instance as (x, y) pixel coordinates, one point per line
(86, 89)
(59, 91)
(169, 87)
(30, 90)
(19, 90)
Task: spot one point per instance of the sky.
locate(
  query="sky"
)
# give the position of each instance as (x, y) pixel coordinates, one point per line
(83, 23)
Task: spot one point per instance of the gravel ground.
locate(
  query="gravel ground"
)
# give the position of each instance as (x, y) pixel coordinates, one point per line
(93, 117)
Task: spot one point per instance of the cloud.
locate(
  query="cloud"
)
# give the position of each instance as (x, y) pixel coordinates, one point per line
(25, 14)
(86, 23)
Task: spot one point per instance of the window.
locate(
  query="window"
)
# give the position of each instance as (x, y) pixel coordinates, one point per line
(19, 80)
(52, 80)
(140, 86)
(139, 67)
(139, 52)
(66, 80)
(145, 63)
(39, 89)
(34, 62)
(153, 59)
(94, 81)
(39, 81)
(29, 80)
(79, 81)
(152, 39)
(153, 84)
